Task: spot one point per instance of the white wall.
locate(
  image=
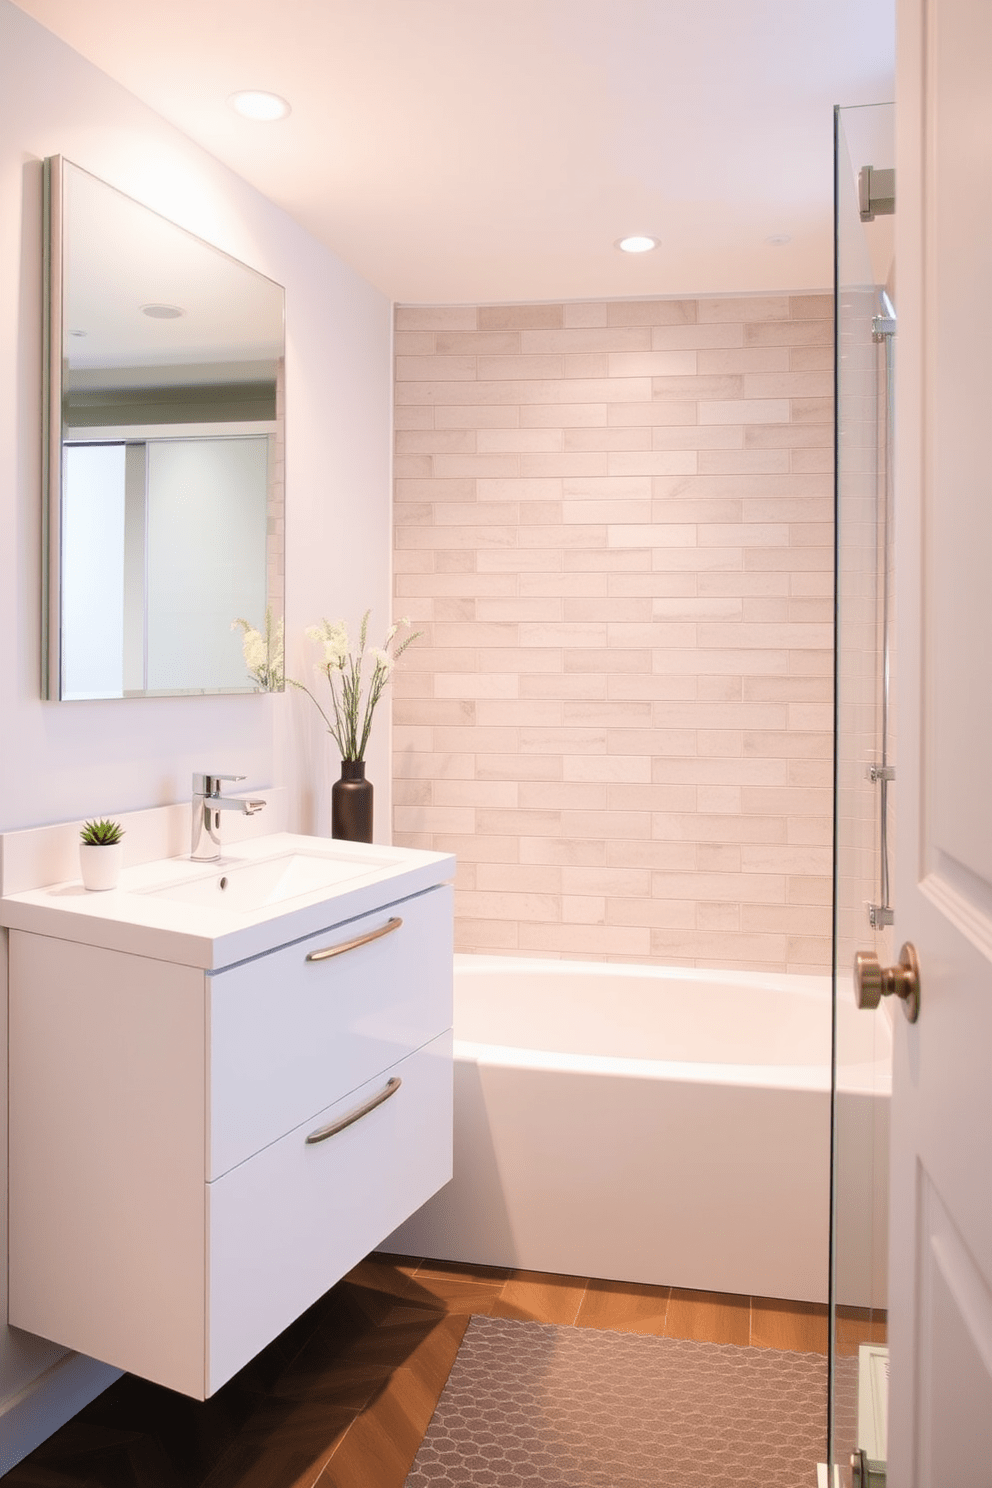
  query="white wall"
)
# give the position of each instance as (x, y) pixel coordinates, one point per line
(63, 761)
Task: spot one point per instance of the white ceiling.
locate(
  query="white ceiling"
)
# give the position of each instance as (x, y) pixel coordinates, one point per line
(492, 150)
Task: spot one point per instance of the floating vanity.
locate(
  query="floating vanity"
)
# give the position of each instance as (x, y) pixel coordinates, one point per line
(228, 1083)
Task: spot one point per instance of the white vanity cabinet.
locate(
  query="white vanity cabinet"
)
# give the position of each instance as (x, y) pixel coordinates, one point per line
(196, 1155)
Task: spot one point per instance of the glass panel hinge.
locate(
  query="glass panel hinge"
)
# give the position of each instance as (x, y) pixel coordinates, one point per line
(876, 192)
(866, 1473)
(880, 915)
(876, 773)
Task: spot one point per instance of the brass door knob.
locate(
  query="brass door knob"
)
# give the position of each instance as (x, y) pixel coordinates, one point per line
(872, 982)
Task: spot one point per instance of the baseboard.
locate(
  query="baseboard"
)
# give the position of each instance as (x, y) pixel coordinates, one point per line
(47, 1402)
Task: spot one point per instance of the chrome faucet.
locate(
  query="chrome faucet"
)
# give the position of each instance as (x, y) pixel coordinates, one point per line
(208, 803)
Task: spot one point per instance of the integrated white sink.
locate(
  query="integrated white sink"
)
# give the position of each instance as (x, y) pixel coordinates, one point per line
(254, 885)
(264, 892)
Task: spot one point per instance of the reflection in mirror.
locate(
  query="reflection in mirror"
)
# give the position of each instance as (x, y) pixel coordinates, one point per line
(164, 451)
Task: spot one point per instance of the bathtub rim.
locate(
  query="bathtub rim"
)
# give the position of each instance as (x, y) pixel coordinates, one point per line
(813, 984)
(869, 1079)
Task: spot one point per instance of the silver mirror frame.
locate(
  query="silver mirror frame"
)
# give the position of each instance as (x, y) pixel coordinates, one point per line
(53, 433)
(51, 453)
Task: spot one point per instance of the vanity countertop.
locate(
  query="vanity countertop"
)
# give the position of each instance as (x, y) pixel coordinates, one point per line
(176, 910)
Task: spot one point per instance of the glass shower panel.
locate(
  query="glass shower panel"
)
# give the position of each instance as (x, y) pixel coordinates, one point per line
(863, 800)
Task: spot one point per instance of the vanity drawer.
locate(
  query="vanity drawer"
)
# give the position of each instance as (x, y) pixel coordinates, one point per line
(286, 1033)
(287, 1225)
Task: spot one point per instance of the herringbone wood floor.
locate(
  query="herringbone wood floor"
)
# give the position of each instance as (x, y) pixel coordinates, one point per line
(342, 1399)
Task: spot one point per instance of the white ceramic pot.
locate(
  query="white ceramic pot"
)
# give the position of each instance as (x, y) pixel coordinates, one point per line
(101, 866)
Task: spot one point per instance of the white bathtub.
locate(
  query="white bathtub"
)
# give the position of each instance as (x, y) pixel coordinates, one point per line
(650, 1124)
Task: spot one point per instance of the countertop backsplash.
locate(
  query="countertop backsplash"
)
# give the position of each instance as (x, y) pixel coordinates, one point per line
(37, 856)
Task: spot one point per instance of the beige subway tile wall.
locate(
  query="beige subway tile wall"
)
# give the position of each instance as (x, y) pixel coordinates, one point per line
(614, 524)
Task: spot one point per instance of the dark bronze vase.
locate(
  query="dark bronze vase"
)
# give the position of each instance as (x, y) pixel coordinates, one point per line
(351, 803)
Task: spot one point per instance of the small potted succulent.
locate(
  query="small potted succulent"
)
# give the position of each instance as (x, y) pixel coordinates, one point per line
(101, 854)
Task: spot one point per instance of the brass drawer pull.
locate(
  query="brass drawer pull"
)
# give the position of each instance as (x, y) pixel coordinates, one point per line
(329, 1131)
(350, 945)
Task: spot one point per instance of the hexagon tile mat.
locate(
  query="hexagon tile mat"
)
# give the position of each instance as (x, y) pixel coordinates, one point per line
(530, 1403)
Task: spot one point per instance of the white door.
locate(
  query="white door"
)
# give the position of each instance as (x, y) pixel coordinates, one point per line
(940, 1418)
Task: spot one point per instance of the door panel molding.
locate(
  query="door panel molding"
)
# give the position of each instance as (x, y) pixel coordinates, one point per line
(973, 920)
(955, 1345)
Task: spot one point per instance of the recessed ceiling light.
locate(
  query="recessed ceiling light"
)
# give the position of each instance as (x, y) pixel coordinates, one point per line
(264, 107)
(163, 312)
(778, 240)
(637, 243)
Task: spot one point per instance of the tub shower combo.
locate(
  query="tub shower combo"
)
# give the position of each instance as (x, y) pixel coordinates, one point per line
(727, 1130)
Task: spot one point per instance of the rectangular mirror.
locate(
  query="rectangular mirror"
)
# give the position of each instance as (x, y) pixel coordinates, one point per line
(164, 452)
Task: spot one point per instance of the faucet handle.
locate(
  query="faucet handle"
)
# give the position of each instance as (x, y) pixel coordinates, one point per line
(209, 785)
